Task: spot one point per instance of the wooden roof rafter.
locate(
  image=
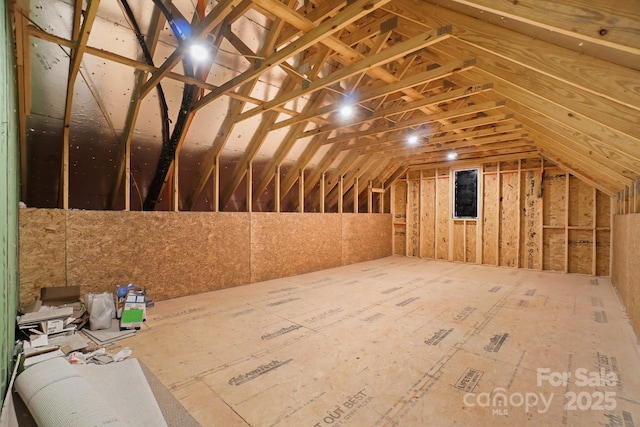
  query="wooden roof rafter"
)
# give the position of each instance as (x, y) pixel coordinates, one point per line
(350, 13)
(421, 121)
(386, 113)
(123, 167)
(285, 146)
(368, 63)
(212, 20)
(211, 161)
(81, 33)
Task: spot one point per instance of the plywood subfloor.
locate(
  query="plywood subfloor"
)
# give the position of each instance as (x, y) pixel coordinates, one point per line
(399, 342)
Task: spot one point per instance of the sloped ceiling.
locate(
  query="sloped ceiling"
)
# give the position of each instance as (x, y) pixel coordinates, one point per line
(424, 78)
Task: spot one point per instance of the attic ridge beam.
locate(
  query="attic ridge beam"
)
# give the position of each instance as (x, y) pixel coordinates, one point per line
(420, 78)
(74, 67)
(472, 109)
(352, 12)
(347, 56)
(394, 52)
(215, 17)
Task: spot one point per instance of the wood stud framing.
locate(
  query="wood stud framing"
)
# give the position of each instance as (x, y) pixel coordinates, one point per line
(490, 101)
(561, 222)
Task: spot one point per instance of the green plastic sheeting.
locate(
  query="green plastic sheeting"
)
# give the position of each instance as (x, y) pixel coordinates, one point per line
(8, 198)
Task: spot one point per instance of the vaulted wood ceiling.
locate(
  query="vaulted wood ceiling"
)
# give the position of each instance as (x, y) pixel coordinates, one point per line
(118, 116)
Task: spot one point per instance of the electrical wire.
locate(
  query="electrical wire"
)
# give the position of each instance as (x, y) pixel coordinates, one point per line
(164, 108)
(189, 94)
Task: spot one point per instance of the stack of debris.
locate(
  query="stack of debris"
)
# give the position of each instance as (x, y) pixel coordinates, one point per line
(61, 323)
(49, 325)
(60, 376)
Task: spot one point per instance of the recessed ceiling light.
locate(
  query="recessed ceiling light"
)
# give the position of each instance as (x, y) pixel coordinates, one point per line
(346, 111)
(199, 52)
(452, 155)
(412, 140)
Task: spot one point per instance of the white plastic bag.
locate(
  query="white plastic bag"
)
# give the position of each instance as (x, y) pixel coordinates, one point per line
(101, 310)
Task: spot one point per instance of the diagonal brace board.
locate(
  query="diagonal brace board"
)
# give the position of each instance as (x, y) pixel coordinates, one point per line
(396, 51)
(351, 13)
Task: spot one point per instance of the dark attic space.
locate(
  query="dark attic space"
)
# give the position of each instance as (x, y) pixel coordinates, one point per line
(283, 213)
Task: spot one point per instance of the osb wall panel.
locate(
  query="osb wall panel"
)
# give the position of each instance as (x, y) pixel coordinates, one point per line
(428, 218)
(400, 201)
(534, 163)
(413, 218)
(490, 219)
(470, 251)
(621, 258)
(42, 240)
(553, 250)
(169, 253)
(365, 237)
(293, 243)
(399, 239)
(626, 264)
(458, 240)
(603, 251)
(554, 194)
(580, 251)
(526, 216)
(443, 215)
(603, 209)
(531, 209)
(509, 219)
(399, 209)
(581, 201)
(511, 165)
